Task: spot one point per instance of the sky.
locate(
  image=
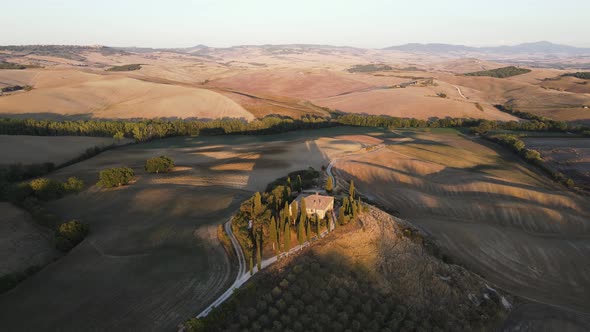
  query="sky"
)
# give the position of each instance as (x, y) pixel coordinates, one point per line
(222, 23)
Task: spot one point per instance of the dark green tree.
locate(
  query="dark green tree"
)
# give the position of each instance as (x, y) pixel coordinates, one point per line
(258, 207)
(115, 177)
(301, 231)
(274, 235)
(287, 237)
(69, 234)
(341, 215)
(259, 250)
(161, 164)
(351, 190)
(317, 225)
(73, 185)
(251, 265)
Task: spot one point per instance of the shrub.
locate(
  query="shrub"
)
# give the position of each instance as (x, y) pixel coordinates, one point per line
(532, 155)
(73, 185)
(115, 177)
(47, 189)
(195, 325)
(160, 164)
(442, 95)
(69, 234)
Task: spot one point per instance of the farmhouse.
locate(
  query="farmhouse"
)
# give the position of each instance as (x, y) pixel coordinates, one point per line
(317, 204)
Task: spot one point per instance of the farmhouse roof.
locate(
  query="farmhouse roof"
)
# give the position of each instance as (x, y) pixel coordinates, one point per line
(318, 202)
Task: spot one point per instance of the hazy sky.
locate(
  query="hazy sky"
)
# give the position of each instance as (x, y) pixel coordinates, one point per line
(368, 23)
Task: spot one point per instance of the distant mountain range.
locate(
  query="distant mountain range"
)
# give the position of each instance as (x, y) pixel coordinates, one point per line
(537, 48)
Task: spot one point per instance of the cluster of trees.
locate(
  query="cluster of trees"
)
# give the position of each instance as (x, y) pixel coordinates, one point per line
(351, 206)
(364, 120)
(530, 155)
(581, 75)
(43, 189)
(13, 88)
(501, 72)
(150, 129)
(369, 68)
(324, 293)
(12, 173)
(31, 195)
(48, 189)
(535, 123)
(273, 217)
(130, 67)
(161, 164)
(115, 177)
(10, 65)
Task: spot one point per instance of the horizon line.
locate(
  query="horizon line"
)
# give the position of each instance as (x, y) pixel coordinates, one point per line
(297, 44)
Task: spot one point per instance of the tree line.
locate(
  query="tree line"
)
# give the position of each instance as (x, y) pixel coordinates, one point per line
(530, 155)
(150, 129)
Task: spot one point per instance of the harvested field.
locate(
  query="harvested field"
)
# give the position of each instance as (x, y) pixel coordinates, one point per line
(40, 149)
(152, 258)
(516, 228)
(416, 102)
(84, 95)
(23, 244)
(570, 156)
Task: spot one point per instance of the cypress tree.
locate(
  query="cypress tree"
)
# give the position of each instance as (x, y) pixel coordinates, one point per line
(287, 237)
(351, 190)
(308, 230)
(259, 251)
(273, 234)
(303, 210)
(329, 185)
(251, 265)
(289, 182)
(287, 212)
(299, 183)
(258, 208)
(341, 213)
(317, 225)
(329, 221)
(346, 205)
(301, 231)
(294, 211)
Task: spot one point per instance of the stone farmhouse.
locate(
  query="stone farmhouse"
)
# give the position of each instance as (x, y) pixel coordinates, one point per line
(317, 204)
